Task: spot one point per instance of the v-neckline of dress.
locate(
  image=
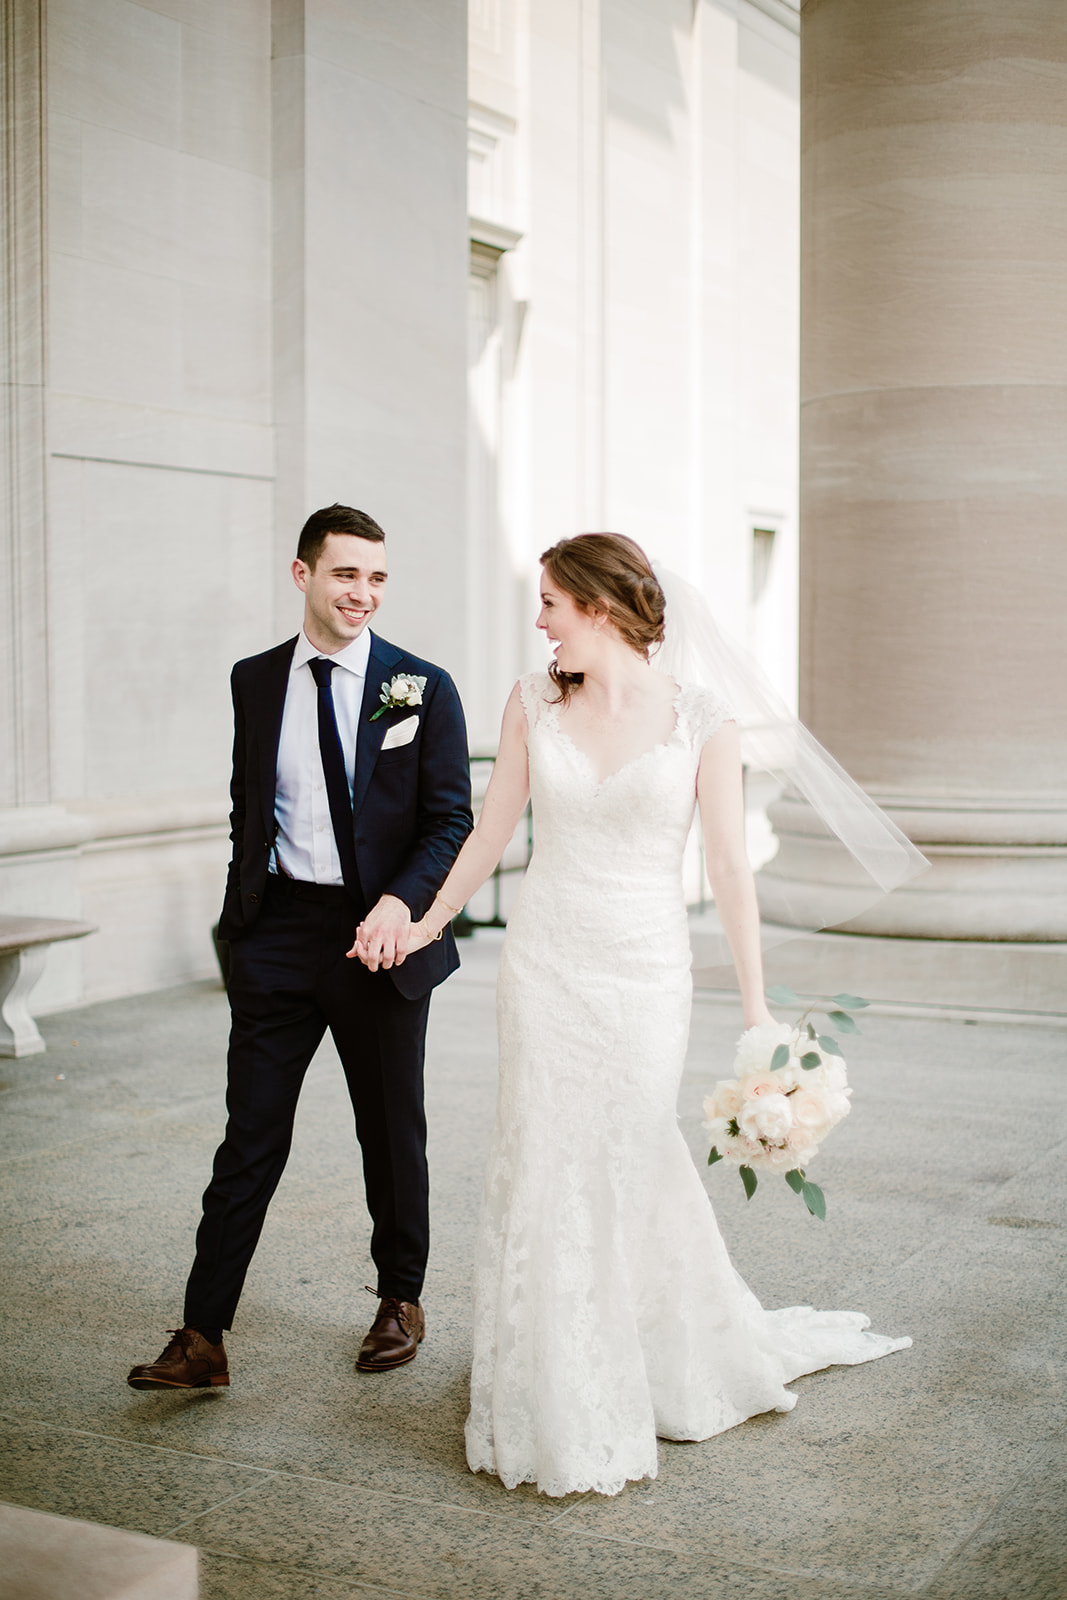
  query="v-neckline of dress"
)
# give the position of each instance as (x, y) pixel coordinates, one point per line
(642, 755)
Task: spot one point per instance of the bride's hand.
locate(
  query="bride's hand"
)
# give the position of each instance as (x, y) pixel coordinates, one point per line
(758, 1016)
(418, 939)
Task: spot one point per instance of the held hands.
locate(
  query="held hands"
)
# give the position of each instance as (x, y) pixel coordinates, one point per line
(385, 936)
(388, 935)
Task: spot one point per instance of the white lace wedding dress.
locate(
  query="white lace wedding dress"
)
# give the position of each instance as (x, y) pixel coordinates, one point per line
(606, 1309)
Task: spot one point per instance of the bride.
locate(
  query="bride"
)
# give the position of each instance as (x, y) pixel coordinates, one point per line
(606, 1309)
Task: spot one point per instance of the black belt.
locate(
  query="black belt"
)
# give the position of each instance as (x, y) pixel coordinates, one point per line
(329, 894)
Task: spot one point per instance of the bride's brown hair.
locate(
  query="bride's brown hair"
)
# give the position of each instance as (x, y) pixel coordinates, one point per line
(607, 572)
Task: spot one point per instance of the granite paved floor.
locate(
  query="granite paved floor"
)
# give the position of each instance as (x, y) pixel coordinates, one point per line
(940, 1472)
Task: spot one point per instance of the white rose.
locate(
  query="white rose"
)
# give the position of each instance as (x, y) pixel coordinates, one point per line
(767, 1117)
(719, 1129)
(838, 1105)
(756, 1046)
(831, 1074)
(783, 1158)
(747, 1152)
(733, 1149)
(802, 1147)
(791, 1075)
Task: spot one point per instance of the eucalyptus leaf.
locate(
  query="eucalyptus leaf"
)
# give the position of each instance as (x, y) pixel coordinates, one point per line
(749, 1179)
(828, 1043)
(811, 1031)
(795, 1180)
(713, 1157)
(780, 1057)
(815, 1200)
(782, 995)
(849, 1002)
(842, 1020)
(810, 1061)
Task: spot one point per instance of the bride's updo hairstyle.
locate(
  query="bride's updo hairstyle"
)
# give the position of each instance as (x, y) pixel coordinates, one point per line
(607, 572)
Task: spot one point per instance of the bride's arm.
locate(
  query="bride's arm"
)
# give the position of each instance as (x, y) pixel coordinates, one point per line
(720, 794)
(504, 803)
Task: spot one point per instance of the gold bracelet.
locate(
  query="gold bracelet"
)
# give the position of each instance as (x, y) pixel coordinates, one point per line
(433, 937)
(455, 910)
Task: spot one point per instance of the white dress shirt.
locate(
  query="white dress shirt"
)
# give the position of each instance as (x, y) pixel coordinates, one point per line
(305, 846)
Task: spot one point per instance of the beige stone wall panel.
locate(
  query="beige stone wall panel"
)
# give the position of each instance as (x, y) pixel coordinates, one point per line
(935, 587)
(912, 271)
(933, 420)
(863, 64)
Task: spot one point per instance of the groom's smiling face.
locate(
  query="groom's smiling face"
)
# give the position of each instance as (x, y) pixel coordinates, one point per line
(342, 591)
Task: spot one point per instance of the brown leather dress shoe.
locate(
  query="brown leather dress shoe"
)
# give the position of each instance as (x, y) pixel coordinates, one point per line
(394, 1336)
(188, 1362)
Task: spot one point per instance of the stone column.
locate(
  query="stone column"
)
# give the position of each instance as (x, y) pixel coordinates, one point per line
(934, 447)
(24, 713)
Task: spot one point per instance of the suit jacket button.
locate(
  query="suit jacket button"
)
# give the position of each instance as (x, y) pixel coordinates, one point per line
(254, 898)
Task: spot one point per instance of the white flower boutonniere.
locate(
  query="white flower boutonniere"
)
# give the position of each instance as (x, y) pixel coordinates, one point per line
(402, 691)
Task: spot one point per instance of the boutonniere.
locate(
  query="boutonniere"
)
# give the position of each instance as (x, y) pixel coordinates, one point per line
(401, 691)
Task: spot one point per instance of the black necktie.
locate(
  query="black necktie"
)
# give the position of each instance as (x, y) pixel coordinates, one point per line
(333, 768)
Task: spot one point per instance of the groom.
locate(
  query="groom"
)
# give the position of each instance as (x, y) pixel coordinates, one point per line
(351, 798)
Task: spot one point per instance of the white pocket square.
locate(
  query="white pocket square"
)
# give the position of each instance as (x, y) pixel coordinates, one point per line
(401, 733)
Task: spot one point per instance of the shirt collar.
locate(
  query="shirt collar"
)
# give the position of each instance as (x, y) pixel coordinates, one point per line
(354, 657)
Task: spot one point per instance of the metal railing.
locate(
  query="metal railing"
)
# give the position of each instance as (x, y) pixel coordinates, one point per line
(468, 922)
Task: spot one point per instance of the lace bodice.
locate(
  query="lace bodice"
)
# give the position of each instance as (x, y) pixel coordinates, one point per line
(649, 799)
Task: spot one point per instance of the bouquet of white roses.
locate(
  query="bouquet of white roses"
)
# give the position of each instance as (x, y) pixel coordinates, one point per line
(790, 1088)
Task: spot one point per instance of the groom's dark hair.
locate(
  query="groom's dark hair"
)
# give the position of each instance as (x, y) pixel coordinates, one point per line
(334, 519)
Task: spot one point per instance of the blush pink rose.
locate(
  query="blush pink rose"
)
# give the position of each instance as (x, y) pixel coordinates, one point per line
(801, 1146)
(761, 1083)
(811, 1108)
(725, 1100)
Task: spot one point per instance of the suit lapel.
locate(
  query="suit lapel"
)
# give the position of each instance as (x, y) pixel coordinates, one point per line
(383, 659)
(273, 682)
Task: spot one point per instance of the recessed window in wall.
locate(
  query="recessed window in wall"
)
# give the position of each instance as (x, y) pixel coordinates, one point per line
(762, 560)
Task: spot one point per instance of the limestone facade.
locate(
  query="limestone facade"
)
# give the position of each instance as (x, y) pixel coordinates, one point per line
(239, 253)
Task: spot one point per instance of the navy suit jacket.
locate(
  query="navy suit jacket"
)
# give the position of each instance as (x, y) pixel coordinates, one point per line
(411, 807)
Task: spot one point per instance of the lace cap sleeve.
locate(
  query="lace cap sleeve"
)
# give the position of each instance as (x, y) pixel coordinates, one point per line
(535, 692)
(703, 712)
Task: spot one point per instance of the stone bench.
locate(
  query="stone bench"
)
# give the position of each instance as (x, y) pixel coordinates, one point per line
(24, 944)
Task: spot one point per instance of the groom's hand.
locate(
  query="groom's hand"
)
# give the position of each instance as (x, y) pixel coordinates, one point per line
(382, 937)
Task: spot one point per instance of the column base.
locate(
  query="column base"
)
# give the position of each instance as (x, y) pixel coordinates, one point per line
(998, 871)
